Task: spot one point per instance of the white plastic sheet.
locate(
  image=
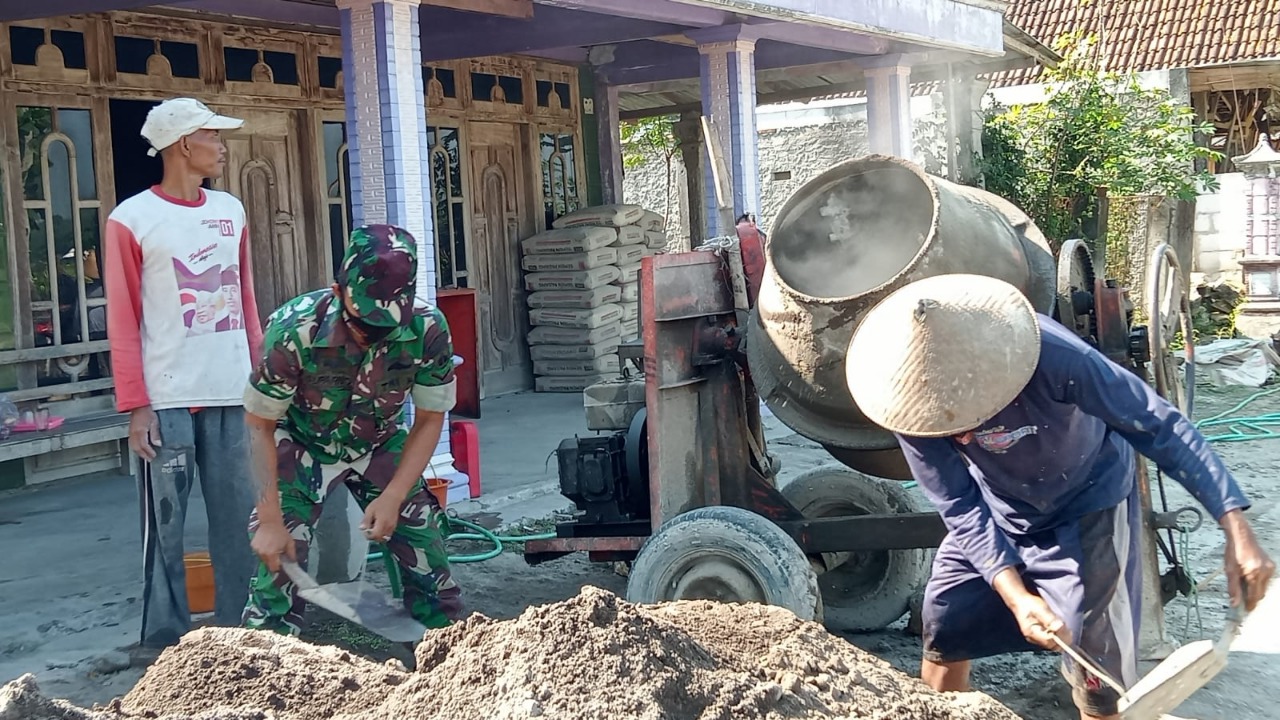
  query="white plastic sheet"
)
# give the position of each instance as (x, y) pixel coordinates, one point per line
(1241, 361)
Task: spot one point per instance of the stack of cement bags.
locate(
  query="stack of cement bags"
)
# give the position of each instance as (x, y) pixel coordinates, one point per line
(583, 278)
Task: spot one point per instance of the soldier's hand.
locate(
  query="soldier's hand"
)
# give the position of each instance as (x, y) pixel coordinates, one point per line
(270, 541)
(381, 517)
(144, 433)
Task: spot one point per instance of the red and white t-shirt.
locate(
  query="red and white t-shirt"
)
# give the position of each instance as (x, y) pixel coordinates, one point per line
(184, 327)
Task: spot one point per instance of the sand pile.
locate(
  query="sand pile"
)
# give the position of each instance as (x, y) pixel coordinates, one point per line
(593, 656)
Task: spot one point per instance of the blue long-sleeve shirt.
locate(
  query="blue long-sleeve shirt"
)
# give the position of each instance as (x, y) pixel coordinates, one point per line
(1062, 449)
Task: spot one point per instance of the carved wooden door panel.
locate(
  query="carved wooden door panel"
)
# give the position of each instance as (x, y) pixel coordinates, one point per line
(499, 196)
(263, 171)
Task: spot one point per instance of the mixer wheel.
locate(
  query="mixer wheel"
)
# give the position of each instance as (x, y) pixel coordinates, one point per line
(725, 554)
(861, 591)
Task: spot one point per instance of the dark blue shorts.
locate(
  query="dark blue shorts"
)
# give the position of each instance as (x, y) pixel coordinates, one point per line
(1089, 574)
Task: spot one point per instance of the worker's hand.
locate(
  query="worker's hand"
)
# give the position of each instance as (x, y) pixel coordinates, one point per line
(382, 516)
(270, 541)
(1248, 567)
(144, 433)
(1039, 623)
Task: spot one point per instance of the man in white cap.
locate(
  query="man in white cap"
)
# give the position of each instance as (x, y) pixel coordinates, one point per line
(181, 363)
(1023, 437)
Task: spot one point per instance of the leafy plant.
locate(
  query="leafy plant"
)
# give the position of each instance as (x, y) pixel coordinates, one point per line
(651, 137)
(1094, 129)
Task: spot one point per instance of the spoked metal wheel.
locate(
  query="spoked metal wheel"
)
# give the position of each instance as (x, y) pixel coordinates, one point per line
(725, 554)
(1075, 287)
(1168, 309)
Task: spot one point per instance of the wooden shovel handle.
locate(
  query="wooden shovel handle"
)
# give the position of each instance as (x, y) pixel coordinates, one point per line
(1091, 667)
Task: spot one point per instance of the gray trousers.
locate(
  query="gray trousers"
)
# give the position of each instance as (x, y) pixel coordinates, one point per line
(215, 441)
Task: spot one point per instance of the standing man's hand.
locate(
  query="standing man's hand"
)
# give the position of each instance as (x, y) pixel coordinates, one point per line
(382, 516)
(144, 432)
(270, 542)
(1248, 567)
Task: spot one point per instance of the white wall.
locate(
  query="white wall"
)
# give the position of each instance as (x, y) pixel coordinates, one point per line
(1220, 229)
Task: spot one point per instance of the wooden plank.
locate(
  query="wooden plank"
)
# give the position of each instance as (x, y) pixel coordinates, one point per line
(76, 433)
(10, 357)
(40, 393)
(522, 9)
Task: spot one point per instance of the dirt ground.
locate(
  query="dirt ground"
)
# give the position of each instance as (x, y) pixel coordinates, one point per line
(1028, 684)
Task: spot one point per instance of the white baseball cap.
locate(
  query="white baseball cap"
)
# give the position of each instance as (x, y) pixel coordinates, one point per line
(172, 120)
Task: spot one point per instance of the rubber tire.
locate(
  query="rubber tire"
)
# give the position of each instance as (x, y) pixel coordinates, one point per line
(781, 573)
(894, 575)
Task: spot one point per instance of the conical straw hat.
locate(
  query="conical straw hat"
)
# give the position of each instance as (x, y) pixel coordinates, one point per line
(942, 355)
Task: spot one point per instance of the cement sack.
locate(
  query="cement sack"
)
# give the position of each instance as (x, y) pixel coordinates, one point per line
(630, 235)
(579, 280)
(567, 368)
(551, 335)
(630, 329)
(586, 318)
(568, 384)
(630, 292)
(569, 240)
(629, 273)
(613, 404)
(650, 252)
(656, 240)
(572, 261)
(630, 254)
(630, 311)
(615, 216)
(576, 298)
(574, 352)
(653, 222)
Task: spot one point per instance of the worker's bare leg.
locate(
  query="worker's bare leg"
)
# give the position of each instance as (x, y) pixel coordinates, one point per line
(946, 676)
(1086, 716)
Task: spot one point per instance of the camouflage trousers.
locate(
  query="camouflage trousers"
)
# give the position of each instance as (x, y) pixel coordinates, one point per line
(430, 594)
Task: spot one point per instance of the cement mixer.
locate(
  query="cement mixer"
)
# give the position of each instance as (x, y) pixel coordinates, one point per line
(684, 487)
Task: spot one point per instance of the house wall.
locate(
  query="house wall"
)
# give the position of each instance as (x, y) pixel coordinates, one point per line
(1220, 229)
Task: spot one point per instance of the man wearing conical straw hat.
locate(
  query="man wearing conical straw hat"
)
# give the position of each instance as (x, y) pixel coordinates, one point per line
(1023, 438)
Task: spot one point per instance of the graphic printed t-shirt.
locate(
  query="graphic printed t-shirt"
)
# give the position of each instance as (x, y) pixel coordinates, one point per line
(184, 329)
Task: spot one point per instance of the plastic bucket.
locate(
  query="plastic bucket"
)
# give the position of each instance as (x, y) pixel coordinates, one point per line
(199, 582)
(440, 488)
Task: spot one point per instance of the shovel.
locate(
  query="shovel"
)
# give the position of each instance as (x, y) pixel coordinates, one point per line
(1175, 679)
(360, 603)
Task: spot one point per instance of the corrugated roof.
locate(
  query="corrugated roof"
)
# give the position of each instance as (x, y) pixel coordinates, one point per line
(1141, 35)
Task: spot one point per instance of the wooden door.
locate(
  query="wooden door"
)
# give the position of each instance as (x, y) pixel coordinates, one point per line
(263, 170)
(499, 200)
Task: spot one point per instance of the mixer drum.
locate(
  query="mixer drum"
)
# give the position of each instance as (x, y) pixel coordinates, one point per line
(842, 243)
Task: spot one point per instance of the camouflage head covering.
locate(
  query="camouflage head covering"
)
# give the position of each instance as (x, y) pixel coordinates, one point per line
(379, 274)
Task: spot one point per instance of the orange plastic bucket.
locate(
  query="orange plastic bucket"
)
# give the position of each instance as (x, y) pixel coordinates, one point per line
(199, 582)
(440, 488)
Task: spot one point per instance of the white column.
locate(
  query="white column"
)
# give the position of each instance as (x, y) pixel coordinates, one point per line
(729, 103)
(889, 108)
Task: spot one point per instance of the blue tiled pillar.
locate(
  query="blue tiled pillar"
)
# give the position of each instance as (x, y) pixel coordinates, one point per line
(729, 102)
(889, 108)
(387, 123)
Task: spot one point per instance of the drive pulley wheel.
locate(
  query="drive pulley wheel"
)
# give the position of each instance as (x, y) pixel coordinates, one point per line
(725, 554)
(861, 591)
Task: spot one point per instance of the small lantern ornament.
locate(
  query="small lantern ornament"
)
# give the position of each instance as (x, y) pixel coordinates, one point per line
(1261, 263)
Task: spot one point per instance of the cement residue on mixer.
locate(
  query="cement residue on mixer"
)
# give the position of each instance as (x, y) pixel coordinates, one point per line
(592, 656)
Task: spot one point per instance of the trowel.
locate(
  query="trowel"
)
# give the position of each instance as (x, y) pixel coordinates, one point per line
(1175, 679)
(360, 603)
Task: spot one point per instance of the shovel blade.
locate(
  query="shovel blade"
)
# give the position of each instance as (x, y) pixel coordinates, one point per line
(1170, 683)
(368, 607)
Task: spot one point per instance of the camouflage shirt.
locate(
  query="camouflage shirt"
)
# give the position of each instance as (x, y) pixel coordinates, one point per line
(338, 400)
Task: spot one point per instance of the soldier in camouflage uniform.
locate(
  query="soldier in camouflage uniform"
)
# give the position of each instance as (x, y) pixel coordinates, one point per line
(324, 406)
